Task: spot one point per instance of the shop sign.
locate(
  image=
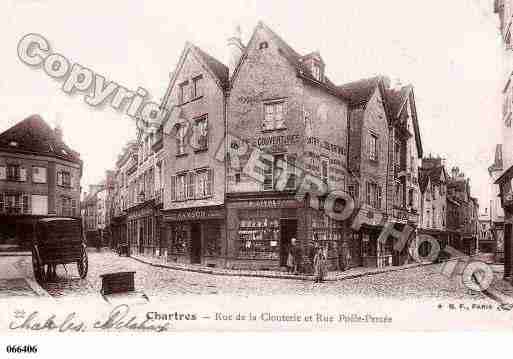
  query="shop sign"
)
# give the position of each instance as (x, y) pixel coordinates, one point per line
(195, 214)
(270, 203)
(276, 140)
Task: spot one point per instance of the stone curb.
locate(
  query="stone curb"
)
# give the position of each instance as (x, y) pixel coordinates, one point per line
(15, 254)
(284, 276)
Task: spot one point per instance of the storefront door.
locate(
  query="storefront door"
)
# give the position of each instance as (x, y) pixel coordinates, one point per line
(288, 231)
(195, 243)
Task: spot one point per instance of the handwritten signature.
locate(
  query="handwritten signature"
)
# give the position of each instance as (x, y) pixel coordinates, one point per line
(119, 318)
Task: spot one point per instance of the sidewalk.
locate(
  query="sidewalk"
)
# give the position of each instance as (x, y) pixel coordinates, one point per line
(14, 283)
(332, 276)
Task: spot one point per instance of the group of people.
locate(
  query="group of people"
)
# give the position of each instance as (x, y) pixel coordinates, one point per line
(318, 260)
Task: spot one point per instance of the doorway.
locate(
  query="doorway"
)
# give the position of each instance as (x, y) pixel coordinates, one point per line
(288, 231)
(141, 239)
(195, 243)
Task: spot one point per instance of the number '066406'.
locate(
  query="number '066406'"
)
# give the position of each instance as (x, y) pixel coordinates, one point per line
(18, 349)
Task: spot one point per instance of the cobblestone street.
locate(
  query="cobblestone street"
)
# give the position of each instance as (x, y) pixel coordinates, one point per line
(421, 282)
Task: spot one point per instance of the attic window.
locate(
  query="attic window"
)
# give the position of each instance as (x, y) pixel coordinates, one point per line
(316, 71)
(263, 45)
(13, 144)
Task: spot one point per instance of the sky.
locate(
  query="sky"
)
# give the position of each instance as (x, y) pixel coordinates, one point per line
(450, 51)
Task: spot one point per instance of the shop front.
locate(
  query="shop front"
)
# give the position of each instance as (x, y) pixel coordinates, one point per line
(260, 232)
(142, 230)
(195, 235)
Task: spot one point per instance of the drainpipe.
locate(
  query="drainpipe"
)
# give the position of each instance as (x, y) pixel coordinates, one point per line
(225, 133)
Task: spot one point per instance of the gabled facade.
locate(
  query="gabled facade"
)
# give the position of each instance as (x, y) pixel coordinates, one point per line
(433, 189)
(194, 181)
(39, 176)
(284, 109)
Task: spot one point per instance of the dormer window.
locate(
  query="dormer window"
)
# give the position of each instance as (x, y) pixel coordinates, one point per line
(316, 71)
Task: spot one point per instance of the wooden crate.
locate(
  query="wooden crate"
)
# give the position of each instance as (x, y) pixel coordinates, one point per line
(119, 282)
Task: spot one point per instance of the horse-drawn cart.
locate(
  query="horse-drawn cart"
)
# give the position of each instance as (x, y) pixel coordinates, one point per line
(56, 241)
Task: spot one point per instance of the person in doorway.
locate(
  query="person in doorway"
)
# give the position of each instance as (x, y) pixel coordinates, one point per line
(320, 265)
(297, 256)
(290, 259)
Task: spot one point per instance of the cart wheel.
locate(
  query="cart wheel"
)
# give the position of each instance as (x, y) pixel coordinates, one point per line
(83, 264)
(37, 266)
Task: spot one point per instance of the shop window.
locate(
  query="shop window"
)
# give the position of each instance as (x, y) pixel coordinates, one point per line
(327, 233)
(259, 238)
(274, 116)
(212, 239)
(39, 174)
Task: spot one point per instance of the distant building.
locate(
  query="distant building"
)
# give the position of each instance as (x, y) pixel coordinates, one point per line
(39, 177)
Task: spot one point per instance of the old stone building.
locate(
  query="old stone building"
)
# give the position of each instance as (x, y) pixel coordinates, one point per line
(284, 112)
(504, 9)
(194, 181)
(39, 176)
(384, 152)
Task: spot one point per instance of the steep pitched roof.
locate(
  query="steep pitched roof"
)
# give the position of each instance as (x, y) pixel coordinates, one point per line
(397, 98)
(360, 91)
(33, 135)
(293, 57)
(431, 174)
(219, 69)
(214, 66)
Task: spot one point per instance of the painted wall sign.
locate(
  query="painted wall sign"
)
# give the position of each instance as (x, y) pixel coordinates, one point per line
(270, 203)
(326, 145)
(280, 140)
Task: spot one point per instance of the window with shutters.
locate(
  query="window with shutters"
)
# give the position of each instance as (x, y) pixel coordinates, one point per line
(191, 185)
(25, 204)
(205, 179)
(274, 118)
(65, 206)
(180, 187)
(74, 208)
(292, 173)
(3, 172)
(12, 203)
(1, 202)
(183, 95)
(373, 195)
(14, 173)
(201, 133)
(39, 174)
(373, 147)
(181, 132)
(197, 87)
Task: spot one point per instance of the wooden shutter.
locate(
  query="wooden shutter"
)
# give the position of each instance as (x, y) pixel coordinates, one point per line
(1, 202)
(210, 186)
(173, 188)
(191, 188)
(3, 173)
